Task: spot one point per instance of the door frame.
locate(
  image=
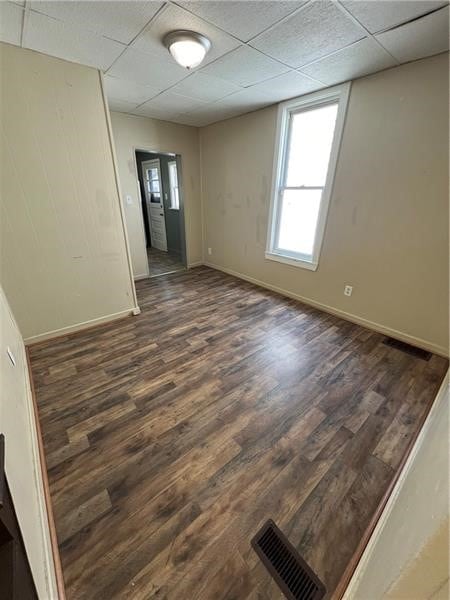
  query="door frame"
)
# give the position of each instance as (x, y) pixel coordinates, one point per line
(179, 159)
(148, 205)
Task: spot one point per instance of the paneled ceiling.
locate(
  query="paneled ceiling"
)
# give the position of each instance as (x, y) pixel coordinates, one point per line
(262, 51)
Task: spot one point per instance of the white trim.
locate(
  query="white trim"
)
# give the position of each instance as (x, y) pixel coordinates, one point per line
(442, 396)
(404, 337)
(295, 262)
(182, 210)
(117, 182)
(80, 326)
(198, 263)
(341, 94)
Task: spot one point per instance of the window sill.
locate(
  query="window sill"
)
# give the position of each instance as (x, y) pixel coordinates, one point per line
(295, 262)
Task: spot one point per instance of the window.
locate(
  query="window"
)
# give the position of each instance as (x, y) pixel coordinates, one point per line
(173, 184)
(308, 138)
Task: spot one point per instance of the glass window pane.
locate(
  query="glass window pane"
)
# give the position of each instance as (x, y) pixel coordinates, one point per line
(311, 136)
(299, 212)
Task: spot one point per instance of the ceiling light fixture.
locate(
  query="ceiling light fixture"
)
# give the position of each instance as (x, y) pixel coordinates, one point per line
(188, 48)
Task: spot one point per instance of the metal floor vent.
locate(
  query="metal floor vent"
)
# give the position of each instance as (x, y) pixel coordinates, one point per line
(412, 350)
(294, 577)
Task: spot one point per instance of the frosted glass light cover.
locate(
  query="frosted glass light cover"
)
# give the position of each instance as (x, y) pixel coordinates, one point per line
(187, 53)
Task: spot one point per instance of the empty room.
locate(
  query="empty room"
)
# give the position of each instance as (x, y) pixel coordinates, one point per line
(224, 299)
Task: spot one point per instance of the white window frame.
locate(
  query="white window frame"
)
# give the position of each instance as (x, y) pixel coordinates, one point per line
(173, 187)
(338, 94)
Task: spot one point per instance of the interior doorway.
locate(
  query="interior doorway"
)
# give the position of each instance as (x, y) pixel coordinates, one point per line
(159, 177)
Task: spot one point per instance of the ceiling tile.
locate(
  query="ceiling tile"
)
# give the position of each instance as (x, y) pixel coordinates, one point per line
(174, 17)
(173, 103)
(244, 66)
(11, 17)
(242, 19)
(56, 38)
(118, 20)
(359, 59)
(128, 91)
(212, 113)
(204, 87)
(248, 99)
(376, 16)
(288, 85)
(156, 113)
(418, 39)
(316, 30)
(121, 106)
(138, 67)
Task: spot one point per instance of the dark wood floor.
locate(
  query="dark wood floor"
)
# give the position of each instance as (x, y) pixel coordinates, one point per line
(172, 436)
(160, 262)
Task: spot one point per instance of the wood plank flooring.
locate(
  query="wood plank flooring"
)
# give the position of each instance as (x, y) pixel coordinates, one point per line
(172, 436)
(160, 262)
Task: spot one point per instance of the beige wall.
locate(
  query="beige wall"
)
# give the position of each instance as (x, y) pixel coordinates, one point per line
(22, 464)
(132, 133)
(63, 251)
(407, 557)
(387, 229)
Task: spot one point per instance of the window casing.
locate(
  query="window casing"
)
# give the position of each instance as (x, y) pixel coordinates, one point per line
(309, 132)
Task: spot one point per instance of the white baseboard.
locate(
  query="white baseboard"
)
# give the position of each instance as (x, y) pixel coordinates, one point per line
(78, 327)
(198, 263)
(399, 335)
(139, 277)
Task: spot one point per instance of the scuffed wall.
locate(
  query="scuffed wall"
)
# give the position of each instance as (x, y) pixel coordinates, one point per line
(63, 249)
(387, 228)
(141, 133)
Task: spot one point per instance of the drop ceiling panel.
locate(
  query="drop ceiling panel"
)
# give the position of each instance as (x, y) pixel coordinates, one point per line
(174, 103)
(121, 106)
(314, 31)
(70, 42)
(424, 37)
(244, 66)
(242, 19)
(376, 16)
(156, 113)
(211, 114)
(118, 20)
(11, 17)
(204, 87)
(173, 17)
(128, 91)
(248, 99)
(138, 67)
(356, 60)
(288, 85)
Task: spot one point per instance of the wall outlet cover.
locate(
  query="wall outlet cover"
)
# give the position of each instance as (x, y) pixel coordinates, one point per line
(348, 290)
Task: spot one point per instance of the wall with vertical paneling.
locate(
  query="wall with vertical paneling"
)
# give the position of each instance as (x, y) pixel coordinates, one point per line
(63, 248)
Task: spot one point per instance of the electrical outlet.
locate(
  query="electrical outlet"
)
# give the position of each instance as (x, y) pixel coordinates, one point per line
(348, 290)
(210, 251)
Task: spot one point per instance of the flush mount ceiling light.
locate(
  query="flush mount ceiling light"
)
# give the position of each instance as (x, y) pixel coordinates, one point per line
(188, 48)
